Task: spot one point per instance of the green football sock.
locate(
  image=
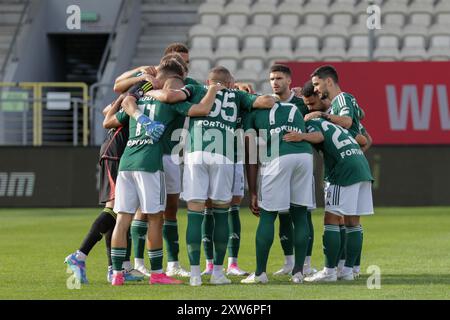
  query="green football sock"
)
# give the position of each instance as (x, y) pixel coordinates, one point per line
(156, 259)
(170, 235)
(264, 239)
(353, 246)
(234, 225)
(301, 235)
(207, 233)
(138, 236)
(118, 257)
(311, 235)
(286, 233)
(331, 244)
(341, 255)
(358, 259)
(220, 234)
(194, 236)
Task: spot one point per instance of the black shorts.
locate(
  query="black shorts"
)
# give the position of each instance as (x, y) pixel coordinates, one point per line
(108, 175)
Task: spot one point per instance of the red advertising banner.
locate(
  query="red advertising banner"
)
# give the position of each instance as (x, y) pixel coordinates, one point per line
(404, 102)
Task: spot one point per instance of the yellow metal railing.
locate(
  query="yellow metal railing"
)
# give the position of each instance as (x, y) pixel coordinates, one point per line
(37, 89)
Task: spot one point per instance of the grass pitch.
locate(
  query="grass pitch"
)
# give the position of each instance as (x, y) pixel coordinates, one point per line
(409, 245)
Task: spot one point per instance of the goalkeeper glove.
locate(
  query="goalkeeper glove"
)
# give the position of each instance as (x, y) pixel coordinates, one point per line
(153, 129)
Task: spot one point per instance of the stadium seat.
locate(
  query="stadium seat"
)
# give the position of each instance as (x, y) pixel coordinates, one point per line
(201, 36)
(263, 14)
(442, 12)
(307, 43)
(439, 48)
(200, 64)
(350, 2)
(210, 14)
(387, 40)
(270, 2)
(202, 53)
(414, 44)
(289, 14)
(227, 58)
(227, 37)
(281, 36)
(342, 13)
(221, 2)
(314, 14)
(279, 55)
(253, 59)
(358, 43)
(334, 42)
(294, 2)
(420, 14)
(320, 2)
(237, 14)
(394, 13)
(246, 2)
(254, 37)
(423, 1)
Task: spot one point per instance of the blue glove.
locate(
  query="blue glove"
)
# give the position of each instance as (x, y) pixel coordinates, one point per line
(153, 129)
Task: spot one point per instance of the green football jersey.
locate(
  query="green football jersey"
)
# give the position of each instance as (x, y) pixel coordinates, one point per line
(169, 144)
(283, 117)
(345, 163)
(141, 153)
(221, 123)
(298, 102)
(194, 82)
(178, 123)
(345, 104)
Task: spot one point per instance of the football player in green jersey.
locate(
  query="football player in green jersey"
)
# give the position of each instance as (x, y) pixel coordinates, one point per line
(348, 195)
(344, 111)
(209, 164)
(315, 104)
(280, 77)
(286, 184)
(140, 182)
(234, 222)
(180, 53)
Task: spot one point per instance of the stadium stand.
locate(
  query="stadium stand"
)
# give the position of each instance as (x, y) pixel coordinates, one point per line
(247, 36)
(319, 30)
(10, 12)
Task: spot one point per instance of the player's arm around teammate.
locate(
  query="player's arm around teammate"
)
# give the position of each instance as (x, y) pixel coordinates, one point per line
(130, 78)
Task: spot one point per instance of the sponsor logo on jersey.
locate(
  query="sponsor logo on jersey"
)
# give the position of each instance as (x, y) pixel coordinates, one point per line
(350, 152)
(278, 130)
(139, 142)
(214, 124)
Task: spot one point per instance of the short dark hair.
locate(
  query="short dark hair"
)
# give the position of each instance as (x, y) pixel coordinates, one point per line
(171, 67)
(175, 56)
(281, 68)
(324, 72)
(176, 47)
(220, 73)
(308, 89)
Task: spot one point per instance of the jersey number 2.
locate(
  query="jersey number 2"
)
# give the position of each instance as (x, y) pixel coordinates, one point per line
(337, 133)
